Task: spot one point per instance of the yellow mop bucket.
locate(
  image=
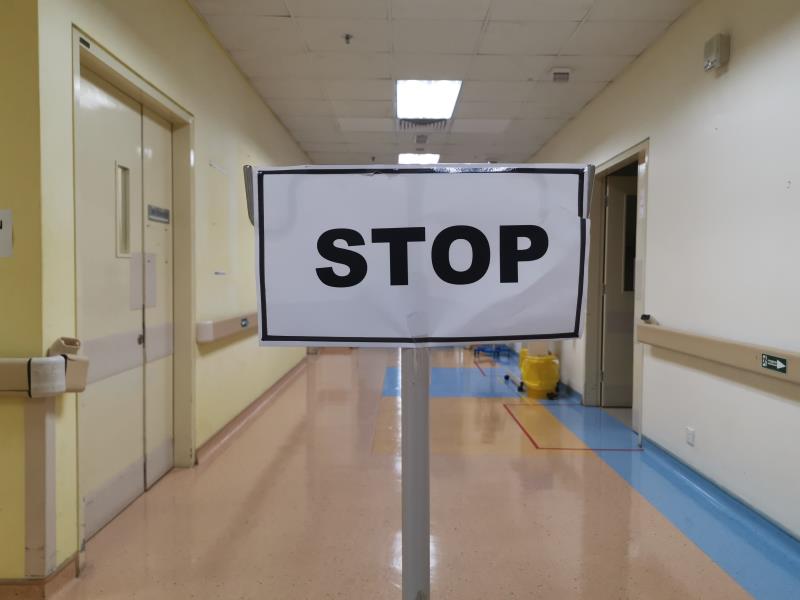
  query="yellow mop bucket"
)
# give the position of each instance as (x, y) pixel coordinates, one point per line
(540, 375)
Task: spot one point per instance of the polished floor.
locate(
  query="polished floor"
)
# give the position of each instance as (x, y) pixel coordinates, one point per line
(528, 500)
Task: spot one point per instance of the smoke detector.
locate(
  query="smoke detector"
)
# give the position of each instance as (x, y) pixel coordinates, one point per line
(561, 74)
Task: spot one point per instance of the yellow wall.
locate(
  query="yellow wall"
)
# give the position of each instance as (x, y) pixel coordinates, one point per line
(20, 275)
(168, 45)
(722, 242)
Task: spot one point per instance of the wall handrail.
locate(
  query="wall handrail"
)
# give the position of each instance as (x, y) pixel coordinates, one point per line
(213, 331)
(61, 371)
(762, 360)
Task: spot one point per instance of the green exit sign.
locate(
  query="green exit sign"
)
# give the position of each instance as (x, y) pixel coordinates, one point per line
(774, 363)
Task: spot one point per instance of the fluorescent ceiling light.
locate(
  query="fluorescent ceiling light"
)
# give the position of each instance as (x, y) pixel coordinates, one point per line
(417, 159)
(419, 99)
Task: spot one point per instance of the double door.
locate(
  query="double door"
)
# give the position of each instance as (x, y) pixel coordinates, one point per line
(124, 298)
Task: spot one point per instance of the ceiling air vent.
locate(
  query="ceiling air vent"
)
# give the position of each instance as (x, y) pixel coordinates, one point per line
(561, 75)
(421, 124)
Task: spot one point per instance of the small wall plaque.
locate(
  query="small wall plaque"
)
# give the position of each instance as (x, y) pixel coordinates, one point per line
(6, 222)
(157, 214)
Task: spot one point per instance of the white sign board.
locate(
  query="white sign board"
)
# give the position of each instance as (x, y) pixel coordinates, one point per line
(420, 256)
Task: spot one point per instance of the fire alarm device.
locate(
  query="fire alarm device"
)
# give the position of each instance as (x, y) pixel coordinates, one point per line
(717, 52)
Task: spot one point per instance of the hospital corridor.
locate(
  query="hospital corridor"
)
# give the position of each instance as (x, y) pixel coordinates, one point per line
(399, 299)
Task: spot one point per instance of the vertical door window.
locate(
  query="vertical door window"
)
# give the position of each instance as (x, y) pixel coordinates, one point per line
(123, 188)
(629, 266)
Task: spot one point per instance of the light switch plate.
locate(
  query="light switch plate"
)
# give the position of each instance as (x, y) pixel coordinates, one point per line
(6, 228)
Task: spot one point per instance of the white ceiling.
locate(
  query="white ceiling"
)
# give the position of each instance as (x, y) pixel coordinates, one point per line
(337, 99)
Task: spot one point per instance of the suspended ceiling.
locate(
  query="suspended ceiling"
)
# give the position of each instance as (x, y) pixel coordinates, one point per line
(337, 98)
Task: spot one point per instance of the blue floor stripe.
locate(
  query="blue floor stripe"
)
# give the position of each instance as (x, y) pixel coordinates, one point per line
(447, 381)
(594, 426)
(762, 558)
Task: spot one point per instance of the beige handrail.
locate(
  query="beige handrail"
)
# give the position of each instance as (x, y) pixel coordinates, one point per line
(763, 360)
(62, 370)
(212, 331)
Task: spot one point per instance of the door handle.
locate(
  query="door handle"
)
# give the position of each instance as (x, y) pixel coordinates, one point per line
(140, 339)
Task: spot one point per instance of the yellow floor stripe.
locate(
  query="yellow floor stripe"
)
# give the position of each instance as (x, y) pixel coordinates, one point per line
(545, 430)
(476, 426)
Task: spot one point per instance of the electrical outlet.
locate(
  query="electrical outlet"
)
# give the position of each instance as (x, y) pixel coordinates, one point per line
(690, 436)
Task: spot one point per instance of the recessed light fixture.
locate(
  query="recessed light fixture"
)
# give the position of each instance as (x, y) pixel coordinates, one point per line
(425, 99)
(410, 158)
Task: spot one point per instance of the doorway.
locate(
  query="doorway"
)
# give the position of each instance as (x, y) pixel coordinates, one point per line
(619, 260)
(124, 297)
(615, 292)
(134, 283)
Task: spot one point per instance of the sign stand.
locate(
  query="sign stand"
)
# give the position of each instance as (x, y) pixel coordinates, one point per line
(545, 205)
(415, 380)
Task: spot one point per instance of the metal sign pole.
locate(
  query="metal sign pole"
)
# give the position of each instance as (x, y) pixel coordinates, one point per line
(415, 374)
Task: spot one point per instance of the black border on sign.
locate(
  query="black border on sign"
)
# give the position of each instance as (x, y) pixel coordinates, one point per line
(265, 337)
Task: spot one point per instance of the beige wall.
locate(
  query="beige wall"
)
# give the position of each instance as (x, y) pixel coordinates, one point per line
(169, 46)
(722, 242)
(20, 275)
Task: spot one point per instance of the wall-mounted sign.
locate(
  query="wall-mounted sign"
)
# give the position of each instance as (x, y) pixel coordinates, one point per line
(774, 363)
(157, 214)
(404, 256)
(6, 237)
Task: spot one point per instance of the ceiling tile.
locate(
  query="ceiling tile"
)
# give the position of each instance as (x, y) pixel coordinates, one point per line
(241, 7)
(304, 136)
(527, 37)
(463, 155)
(294, 107)
(505, 67)
(336, 65)
(493, 126)
(308, 123)
(470, 139)
(472, 110)
(430, 66)
(270, 35)
(422, 148)
(468, 10)
(483, 91)
(363, 9)
(456, 37)
(378, 139)
(363, 108)
(591, 68)
(614, 37)
(289, 88)
(329, 34)
(508, 157)
(639, 10)
(357, 124)
(365, 147)
(572, 95)
(366, 89)
(540, 10)
(532, 130)
(330, 158)
(408, 139)
(332, 147)
(294, 66)
(542, 110)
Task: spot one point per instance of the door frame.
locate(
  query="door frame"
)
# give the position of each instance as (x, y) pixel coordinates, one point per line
(638, 154)
(88, 53)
